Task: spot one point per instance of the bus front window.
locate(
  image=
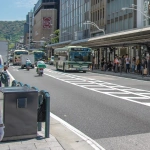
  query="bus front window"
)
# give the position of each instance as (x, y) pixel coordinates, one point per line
(80, 56)
(19, 53)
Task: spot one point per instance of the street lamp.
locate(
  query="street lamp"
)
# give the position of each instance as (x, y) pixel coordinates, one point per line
(125, 8)
(92, 23)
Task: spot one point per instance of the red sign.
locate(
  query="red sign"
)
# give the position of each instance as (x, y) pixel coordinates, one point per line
(47, 22)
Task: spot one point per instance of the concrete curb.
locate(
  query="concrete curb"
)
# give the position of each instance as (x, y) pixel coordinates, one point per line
(130, 76)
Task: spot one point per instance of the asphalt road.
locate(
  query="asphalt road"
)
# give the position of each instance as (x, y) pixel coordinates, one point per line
(112, 111)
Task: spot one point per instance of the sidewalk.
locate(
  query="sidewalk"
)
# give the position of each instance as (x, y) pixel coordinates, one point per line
(61, 138)
(123, 74)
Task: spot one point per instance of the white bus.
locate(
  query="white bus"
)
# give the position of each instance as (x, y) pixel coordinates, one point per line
(73, 58)
(17, 54)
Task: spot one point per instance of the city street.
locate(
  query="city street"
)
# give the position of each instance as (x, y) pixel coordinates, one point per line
(112, 111)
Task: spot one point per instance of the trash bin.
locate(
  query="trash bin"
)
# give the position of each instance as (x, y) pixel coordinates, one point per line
(20, 112)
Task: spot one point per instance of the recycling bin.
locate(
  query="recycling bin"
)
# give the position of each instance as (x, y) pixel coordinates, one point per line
(19, 112)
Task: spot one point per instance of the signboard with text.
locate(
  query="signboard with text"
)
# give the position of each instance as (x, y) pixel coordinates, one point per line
(47, 22)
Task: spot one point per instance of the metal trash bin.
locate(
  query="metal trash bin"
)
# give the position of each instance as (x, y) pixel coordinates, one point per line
(20, 113)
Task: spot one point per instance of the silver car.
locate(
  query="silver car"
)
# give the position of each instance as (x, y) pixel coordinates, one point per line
(51, 62)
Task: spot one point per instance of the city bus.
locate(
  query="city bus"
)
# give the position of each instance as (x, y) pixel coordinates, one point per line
(38, 55)
(75, 58)
(16, 56)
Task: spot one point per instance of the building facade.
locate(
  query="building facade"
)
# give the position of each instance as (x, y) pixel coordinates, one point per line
(48, 4)
(73, 13)
(45, 23)
(98, 16)
(118, 19)
(28, 30)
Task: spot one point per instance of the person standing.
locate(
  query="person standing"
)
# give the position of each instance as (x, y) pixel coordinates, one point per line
(127, 60)
(1, 126)
(133, 64)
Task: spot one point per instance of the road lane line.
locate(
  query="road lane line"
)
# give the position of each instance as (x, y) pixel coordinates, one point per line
(105, 83)
(90, 141)
(107, 93)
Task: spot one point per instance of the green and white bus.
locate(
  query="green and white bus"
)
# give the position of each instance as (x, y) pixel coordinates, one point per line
(73, 58)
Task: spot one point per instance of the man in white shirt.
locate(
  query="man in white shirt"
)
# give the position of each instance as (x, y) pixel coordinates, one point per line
(127, 60)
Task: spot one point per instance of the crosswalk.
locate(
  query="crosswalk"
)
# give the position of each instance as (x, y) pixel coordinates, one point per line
(122, 92)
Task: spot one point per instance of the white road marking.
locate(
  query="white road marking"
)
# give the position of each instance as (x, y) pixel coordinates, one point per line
(90, 141)
(120, 77)
(10, 75)
(104, 87)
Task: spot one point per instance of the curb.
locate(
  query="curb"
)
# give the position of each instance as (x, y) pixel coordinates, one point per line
(123, 76)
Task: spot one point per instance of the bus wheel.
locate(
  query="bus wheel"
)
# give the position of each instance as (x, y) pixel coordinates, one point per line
(84, 71)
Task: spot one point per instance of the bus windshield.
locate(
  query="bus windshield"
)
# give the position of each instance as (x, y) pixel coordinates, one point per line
(39, 55)
(80, 56)
(21, 52)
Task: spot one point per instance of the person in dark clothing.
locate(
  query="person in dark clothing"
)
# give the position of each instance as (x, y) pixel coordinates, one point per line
(109, 66)
(102, 63)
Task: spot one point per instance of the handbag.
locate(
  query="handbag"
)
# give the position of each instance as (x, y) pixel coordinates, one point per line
(145, 71)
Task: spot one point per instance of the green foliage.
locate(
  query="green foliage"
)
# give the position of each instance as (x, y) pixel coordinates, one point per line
(55, 39)
(11, 30)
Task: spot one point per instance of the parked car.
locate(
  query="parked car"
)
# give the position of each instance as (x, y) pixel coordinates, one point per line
(51, 62)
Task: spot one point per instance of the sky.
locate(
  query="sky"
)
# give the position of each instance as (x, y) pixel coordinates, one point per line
(12, 10)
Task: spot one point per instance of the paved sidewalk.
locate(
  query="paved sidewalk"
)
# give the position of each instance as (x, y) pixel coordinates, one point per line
(123, 74)
(61, 138)
(39, 143)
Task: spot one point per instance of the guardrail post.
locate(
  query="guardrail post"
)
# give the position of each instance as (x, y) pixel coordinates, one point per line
(26, 85)
(19, 84)
(39, 124)
(14, 83)
(46, 101)
(47, 123)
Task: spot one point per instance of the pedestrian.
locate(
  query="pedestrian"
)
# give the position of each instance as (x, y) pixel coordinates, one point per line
(102, 63)
(8, 77)
(127, 60)
(133, 64)
(116, 61)
(138, 64)
(122, 61)
(1, 126)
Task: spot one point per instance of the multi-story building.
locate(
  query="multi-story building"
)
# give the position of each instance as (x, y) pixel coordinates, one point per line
(28, 29)
(118, 19)
(73, 13)
(98, 16)
(46, 19)
(126, 14)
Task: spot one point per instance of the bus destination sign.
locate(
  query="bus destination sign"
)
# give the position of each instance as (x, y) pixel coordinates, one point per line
(80, 49)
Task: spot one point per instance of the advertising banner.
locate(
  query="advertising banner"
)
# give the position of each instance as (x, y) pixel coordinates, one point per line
(47, 22)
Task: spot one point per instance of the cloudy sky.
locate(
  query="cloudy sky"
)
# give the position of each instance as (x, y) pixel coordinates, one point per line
(12, 10)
